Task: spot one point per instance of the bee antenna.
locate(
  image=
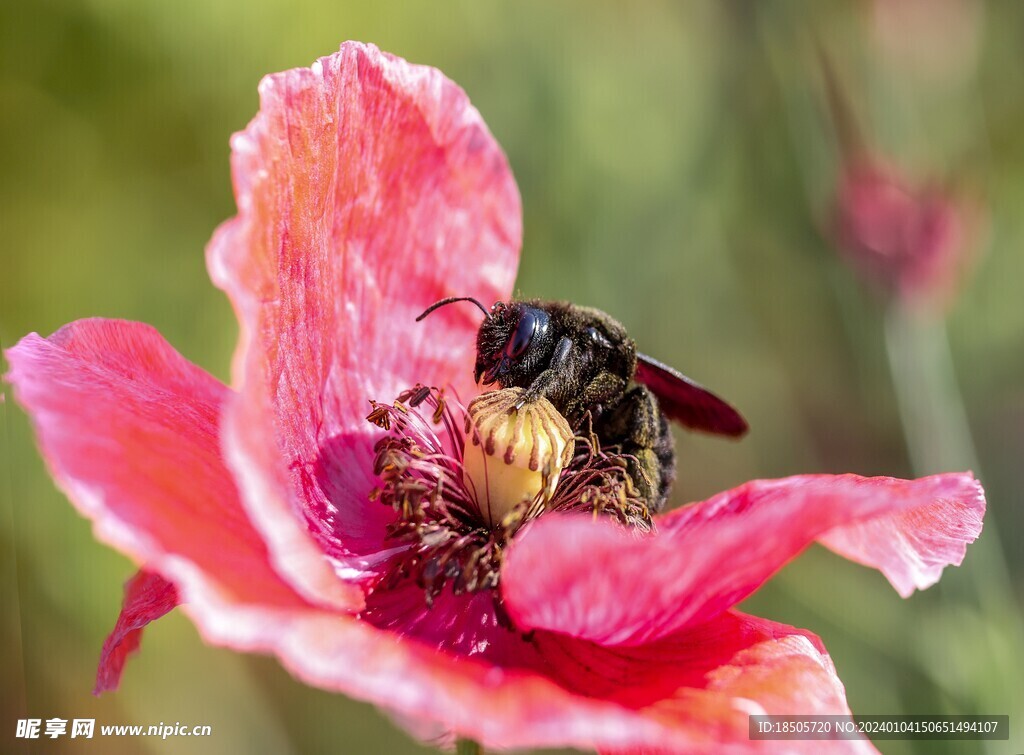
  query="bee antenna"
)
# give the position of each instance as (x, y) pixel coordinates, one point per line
(451, 300)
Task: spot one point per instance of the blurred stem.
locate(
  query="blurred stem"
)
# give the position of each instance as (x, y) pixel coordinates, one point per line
(10, 592)
(467, 747)
(934, 421)
(938, 439)
(935, 426)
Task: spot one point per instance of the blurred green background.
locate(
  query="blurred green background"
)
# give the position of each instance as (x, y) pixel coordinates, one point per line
(676, 167)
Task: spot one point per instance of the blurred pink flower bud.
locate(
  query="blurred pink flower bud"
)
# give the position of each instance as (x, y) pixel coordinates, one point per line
(914, 242)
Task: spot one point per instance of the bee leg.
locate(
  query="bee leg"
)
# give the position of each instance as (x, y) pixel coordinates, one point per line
(639, 428)
(564, 363)
(595, 396)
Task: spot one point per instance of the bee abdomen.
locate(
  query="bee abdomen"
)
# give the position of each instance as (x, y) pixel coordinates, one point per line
(641, 430)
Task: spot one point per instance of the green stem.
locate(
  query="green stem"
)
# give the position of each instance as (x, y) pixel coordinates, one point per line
(935, 426)
(467, 747)
(938, 438)
(935, 423)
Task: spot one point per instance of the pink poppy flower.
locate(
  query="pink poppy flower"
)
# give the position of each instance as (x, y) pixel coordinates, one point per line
(368, 188)
(914, 243)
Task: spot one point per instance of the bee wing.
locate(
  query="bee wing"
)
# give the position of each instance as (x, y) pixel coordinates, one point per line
(687, 402)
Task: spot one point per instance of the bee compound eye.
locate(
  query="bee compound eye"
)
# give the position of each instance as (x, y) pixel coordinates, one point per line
(520, 340)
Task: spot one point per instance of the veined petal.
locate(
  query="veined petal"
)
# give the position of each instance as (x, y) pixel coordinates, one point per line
(129, 429)
(147, 597)
(595, 581)
(688, 693)
(705, 682)
(367, 188)
(911, 548)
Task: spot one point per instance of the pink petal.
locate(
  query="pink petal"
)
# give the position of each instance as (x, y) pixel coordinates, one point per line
(911, 548)
(705, 682)
(129, 429)
(367, 188)
(688, 693)
(595, 581)
(147, 597)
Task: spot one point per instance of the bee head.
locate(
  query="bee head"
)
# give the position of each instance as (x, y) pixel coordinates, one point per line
(511, 344)
(512, 341)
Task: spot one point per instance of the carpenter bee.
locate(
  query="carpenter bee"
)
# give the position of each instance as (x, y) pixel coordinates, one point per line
(583, 361)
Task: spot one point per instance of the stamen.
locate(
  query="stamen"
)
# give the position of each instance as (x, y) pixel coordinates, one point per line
(599, 482)
(455, 518)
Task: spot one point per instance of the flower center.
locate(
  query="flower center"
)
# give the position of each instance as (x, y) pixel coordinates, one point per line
(458, 504)
(516, 455)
